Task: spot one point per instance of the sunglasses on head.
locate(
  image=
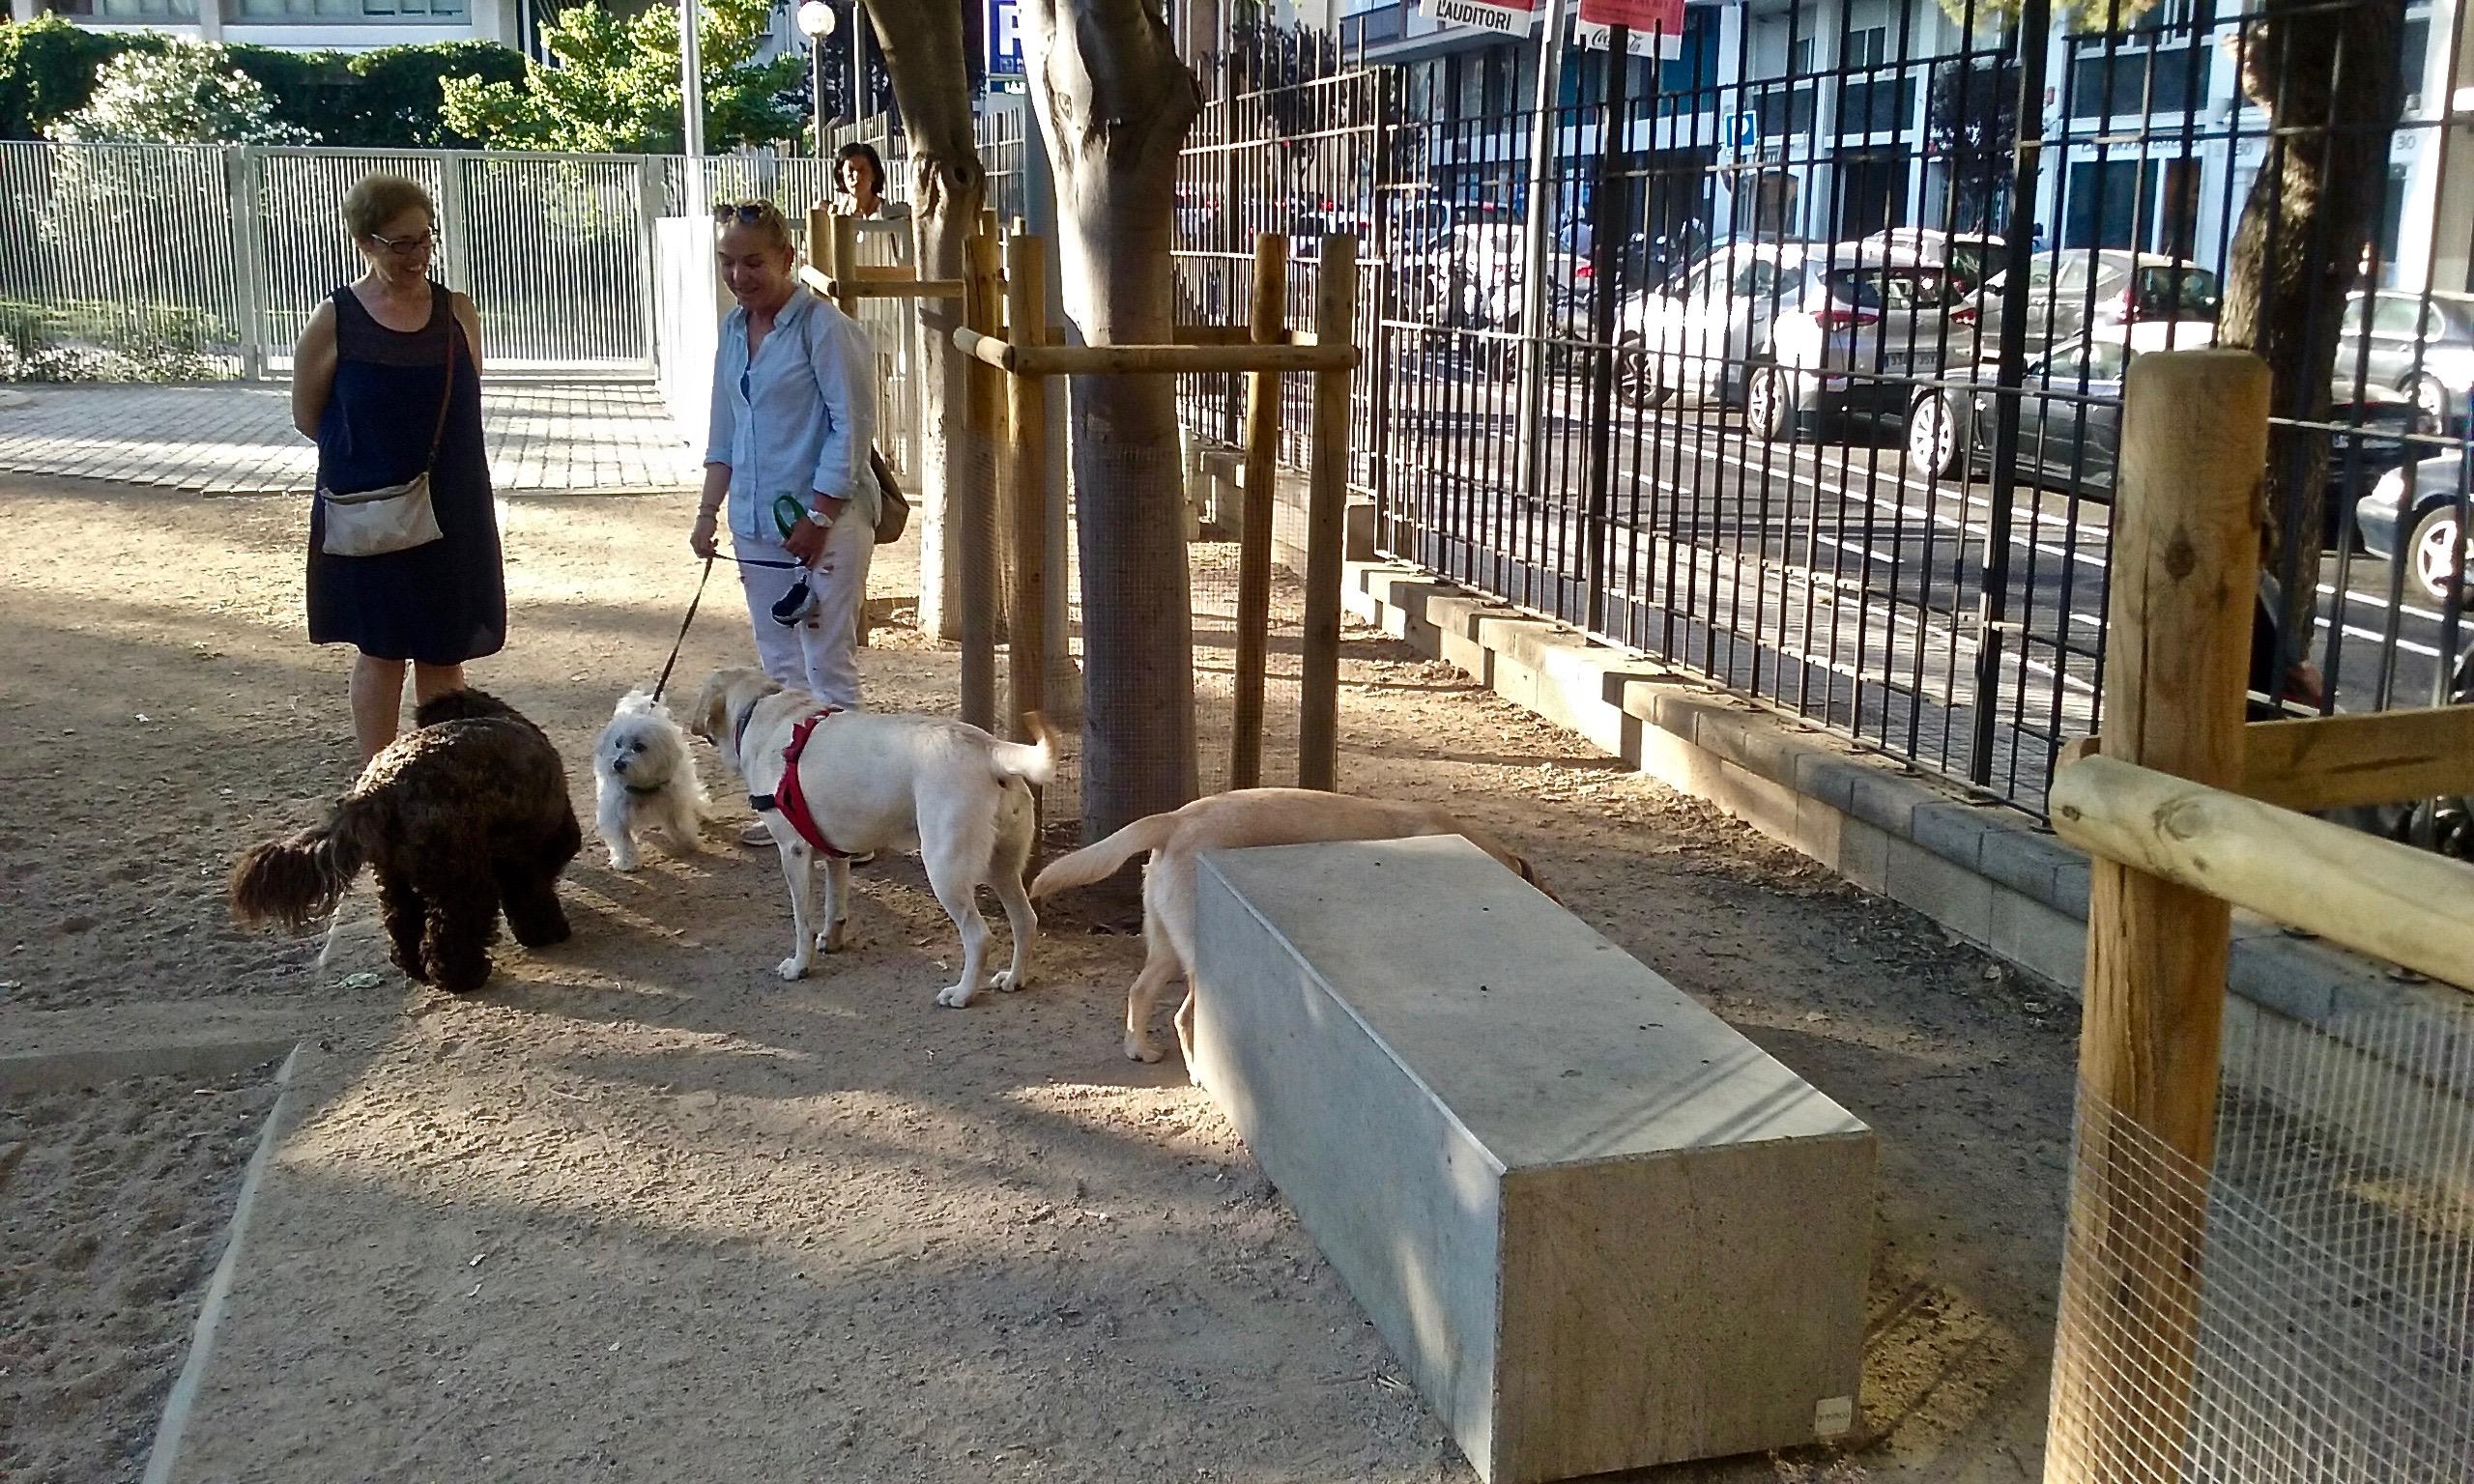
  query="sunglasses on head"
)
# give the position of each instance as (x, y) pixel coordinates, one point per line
(744, 212)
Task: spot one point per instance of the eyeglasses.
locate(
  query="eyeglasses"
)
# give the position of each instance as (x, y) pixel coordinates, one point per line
(746, 213)
(406, 246)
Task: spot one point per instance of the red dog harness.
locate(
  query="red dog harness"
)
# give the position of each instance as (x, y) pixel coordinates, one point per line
(786, 799)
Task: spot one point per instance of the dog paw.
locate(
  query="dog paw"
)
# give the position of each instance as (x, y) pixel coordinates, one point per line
(834, 939)
(792, 968)
(1003, 980)
(954, 996)
(622, 861)
(1141, 1050)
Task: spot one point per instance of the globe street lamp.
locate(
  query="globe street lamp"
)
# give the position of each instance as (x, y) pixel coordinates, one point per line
(816, 20)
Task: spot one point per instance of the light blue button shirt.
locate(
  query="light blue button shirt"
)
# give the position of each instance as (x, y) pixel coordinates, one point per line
(798, 421)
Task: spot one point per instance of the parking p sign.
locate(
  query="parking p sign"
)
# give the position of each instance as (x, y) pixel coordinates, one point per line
(1004, 38)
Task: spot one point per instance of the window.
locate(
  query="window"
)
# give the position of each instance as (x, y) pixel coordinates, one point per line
(1758, 280)
(128, 10)
(2413, 59)
(1800, 59)
(1869, 48)
(2106, 361)
(2073, 277)
(2398, 316)
(2166, 80)
(347, 11)
(1879, 107)
(2352, 322)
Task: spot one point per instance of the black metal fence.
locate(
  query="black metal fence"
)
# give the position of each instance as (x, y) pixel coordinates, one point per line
(1795, 359)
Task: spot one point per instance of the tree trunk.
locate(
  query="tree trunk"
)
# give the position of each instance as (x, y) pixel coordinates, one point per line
(924, 56)
(2327, 78)
(1114, 104)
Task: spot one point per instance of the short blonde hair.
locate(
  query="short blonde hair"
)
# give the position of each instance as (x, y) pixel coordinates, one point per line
(380, 199)
(761, 217)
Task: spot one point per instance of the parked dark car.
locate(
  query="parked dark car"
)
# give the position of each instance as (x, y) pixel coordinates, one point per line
(2426, 499)
(2081, 292)
(2420, 346)
(2070, 423)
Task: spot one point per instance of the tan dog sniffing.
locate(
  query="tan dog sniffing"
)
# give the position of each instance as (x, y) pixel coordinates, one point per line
(1227, 821)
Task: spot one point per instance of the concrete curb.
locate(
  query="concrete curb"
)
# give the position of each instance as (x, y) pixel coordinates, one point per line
(164, 1455)
(1986, 874)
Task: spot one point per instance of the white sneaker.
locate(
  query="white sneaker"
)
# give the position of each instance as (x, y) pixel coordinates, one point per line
(756, 834)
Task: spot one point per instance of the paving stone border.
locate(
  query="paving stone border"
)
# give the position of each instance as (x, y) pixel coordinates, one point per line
(1987, 874)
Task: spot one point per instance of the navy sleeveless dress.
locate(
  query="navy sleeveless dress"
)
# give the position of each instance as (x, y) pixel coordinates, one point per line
(443, 603)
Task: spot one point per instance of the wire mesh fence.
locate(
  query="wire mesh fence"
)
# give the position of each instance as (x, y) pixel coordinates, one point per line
(2306, 1310)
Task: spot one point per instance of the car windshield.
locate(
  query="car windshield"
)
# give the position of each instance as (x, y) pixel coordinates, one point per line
(1891, 288)
(2180, 291)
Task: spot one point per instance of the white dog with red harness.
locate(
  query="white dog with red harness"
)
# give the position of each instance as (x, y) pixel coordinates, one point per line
(839, 783)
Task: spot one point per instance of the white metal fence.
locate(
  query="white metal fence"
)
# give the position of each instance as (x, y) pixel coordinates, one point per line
(169, 262)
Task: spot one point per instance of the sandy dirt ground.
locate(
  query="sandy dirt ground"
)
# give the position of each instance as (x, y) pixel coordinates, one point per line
(641, 1211)
(113, 1207)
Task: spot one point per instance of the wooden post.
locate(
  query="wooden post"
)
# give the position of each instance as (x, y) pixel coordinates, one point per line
(973, 503)
(1026, 473)
(2184, 564)
(1318, 721)
(821, 241)
(1255, 520)
(833, 246)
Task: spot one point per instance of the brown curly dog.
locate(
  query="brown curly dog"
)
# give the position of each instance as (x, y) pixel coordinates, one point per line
(459, 818)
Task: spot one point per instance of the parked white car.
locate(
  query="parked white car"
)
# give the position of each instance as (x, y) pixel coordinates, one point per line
(1802, 335)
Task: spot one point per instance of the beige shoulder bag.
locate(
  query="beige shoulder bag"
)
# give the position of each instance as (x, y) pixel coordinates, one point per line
(395, 517)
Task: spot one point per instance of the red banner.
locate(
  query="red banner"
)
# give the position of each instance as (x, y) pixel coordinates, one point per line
(1641, 16)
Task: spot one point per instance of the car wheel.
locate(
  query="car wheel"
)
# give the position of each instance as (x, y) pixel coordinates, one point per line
(1769, 406)
(1636, 373)
(2430, 399)
(2436, 554)
(1933, 445)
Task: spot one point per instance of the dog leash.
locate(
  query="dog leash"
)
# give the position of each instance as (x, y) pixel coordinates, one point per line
(681, 642)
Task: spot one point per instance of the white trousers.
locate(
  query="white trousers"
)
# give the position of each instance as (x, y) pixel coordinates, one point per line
(814, 655)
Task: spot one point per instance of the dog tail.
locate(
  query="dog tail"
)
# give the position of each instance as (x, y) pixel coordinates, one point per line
(299, 880)
(1033, 762)
(1098, 863)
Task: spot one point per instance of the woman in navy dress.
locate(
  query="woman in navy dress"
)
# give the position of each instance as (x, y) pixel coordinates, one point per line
(368, 381)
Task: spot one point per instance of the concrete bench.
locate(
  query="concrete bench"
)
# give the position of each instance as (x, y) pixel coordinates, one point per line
(1599, 1228)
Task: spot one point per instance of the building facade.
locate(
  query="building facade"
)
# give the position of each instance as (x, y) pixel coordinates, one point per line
(1831, 119)
(339, 25)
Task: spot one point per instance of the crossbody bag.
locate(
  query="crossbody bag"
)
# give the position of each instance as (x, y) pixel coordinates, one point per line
(393, 517)
(893, 509)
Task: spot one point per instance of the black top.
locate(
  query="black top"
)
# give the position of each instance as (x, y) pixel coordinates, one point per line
(443, 603)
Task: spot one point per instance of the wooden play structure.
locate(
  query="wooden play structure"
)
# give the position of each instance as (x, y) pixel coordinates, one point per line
(1016, 353)
(2188, 813)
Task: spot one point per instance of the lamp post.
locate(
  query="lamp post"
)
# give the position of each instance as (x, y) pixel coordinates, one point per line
(816, 20)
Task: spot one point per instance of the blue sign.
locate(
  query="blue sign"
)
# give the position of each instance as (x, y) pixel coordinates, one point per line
(1744, 131)
(1004, 38)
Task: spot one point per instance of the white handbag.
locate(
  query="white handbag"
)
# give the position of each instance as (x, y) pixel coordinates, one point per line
(393, 517)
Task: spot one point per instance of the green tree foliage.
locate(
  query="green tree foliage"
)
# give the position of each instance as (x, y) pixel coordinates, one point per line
(615, 87)
(186, 93)
(387, 98)
(48, 71)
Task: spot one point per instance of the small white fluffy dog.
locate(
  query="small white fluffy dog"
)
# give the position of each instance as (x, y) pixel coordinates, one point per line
(645, 776)
(873, 781)
(1227, 821)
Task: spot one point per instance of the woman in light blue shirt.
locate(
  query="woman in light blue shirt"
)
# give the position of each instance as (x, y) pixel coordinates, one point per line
(794, 411)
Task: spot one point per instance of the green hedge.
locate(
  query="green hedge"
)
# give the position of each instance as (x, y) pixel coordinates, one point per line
(387, 98)
(85, 341)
